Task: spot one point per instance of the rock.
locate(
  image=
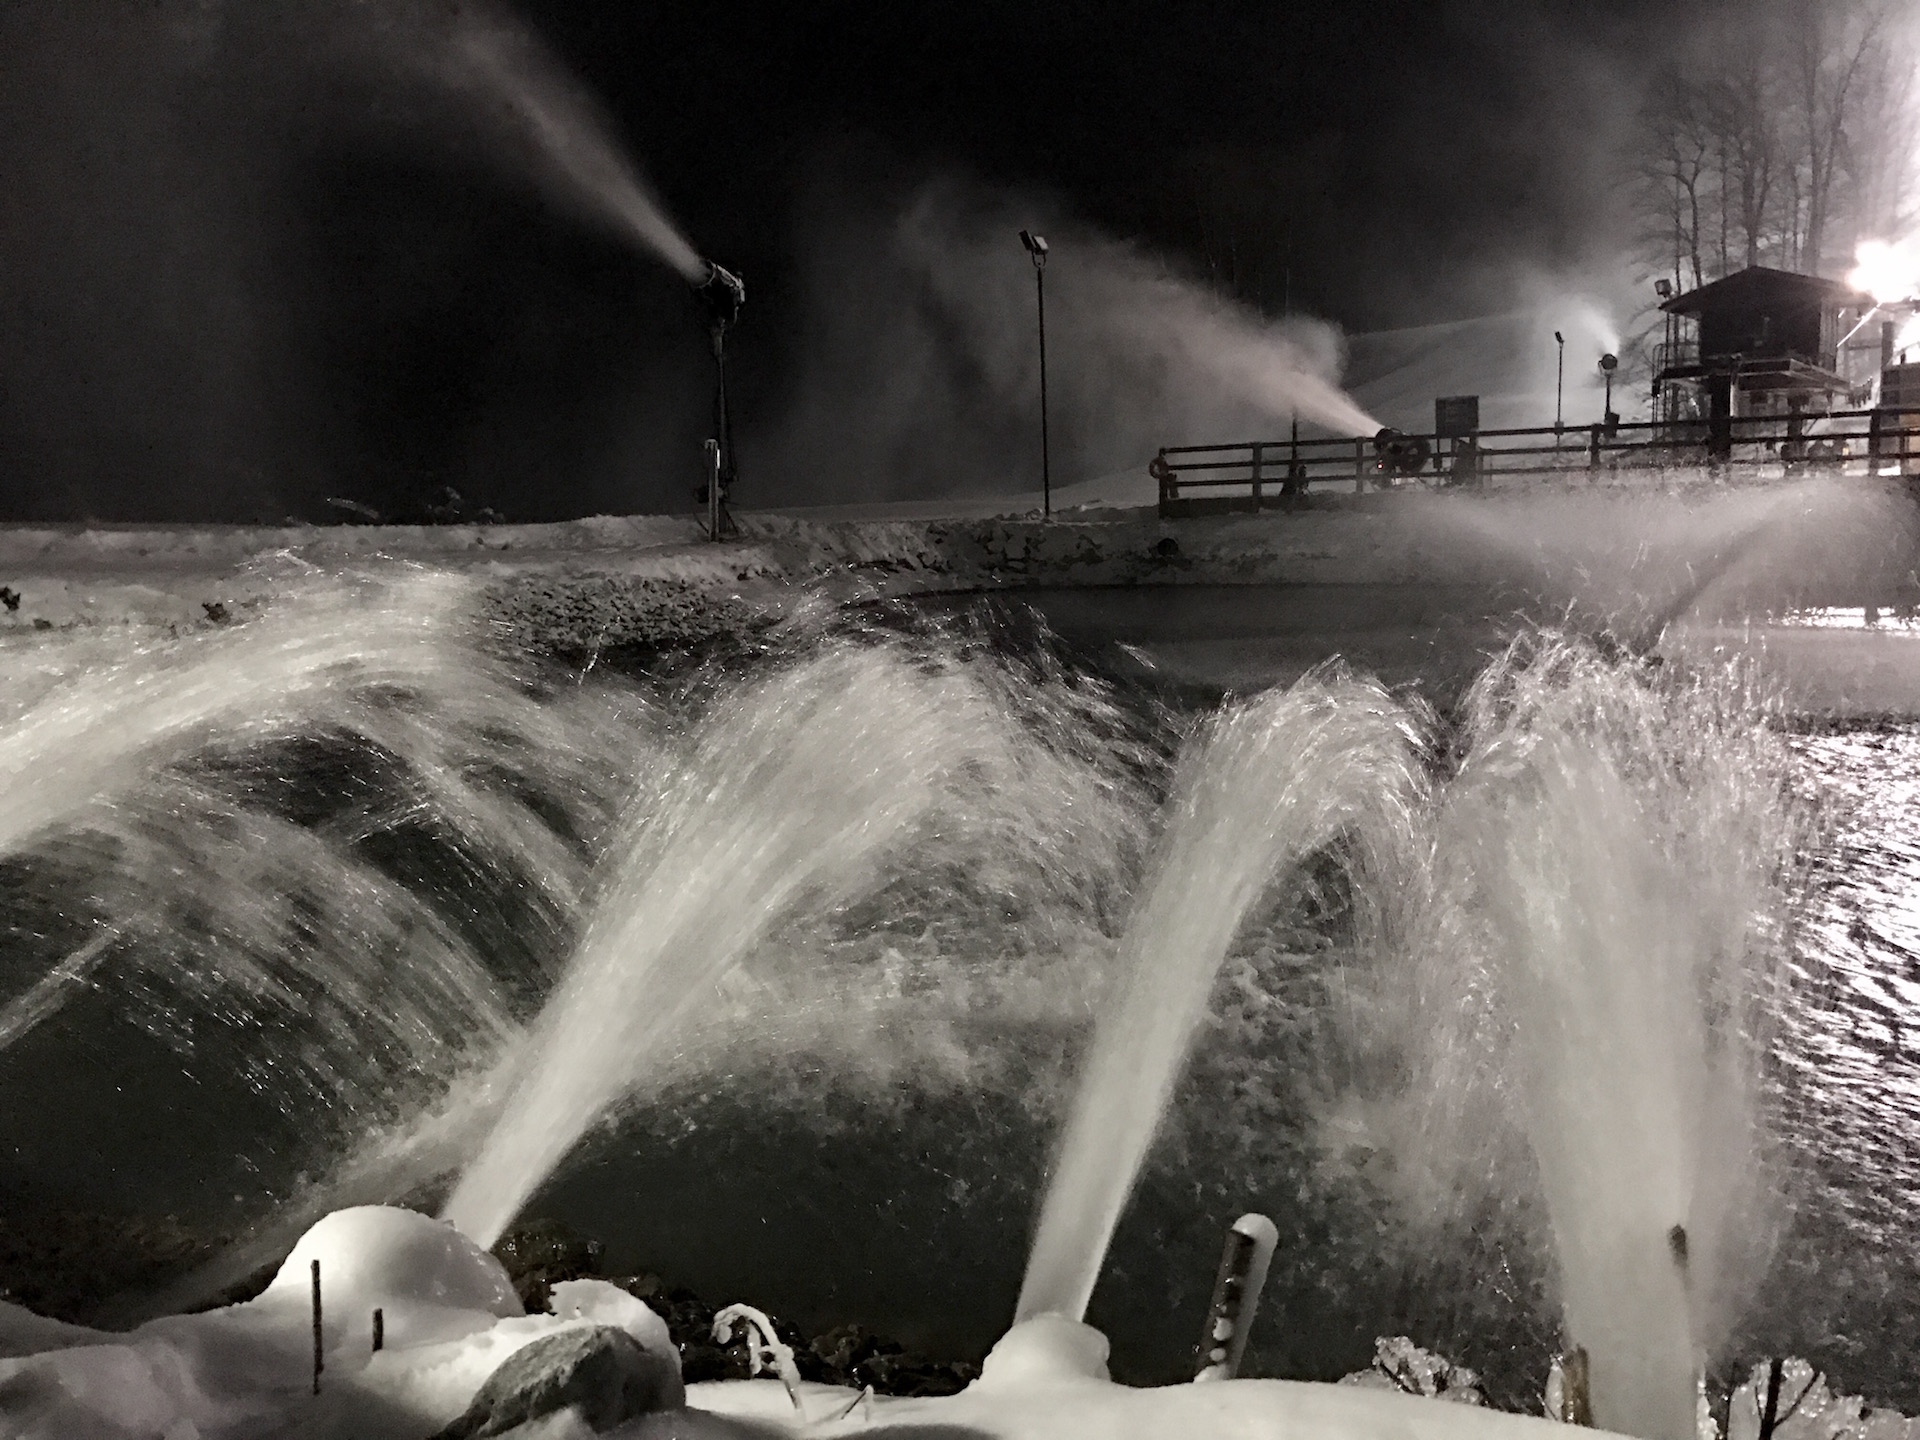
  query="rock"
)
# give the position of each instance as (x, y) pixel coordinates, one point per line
(599, 1371)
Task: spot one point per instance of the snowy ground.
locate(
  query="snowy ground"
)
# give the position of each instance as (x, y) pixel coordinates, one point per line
(450, 1318)
(1716, 566)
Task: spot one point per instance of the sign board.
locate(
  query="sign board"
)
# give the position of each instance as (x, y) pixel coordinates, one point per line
(1456, 416)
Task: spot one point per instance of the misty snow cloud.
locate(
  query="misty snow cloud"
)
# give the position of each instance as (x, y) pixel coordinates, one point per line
(918, 369)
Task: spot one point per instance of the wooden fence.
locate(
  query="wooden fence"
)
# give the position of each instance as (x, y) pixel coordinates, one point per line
(1262, 474)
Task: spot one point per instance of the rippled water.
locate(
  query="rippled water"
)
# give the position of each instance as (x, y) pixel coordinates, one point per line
(1847, 1282)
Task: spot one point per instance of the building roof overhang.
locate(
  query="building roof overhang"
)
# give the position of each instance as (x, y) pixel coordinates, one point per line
(1755, 281)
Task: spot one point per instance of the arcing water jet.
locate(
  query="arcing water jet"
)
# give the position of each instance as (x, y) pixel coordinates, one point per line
(1269, 783)
(799, 793)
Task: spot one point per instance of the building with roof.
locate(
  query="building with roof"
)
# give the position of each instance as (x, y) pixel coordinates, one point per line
(1760, 344)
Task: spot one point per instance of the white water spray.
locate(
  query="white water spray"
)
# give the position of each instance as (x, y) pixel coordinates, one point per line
(799, 793)
(135, 778)
(1271, 782)
(1581, 1011)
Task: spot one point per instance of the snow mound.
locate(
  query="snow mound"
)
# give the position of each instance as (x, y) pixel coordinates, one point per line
(607, 1304)
(375, 1256)
(1045, 1350)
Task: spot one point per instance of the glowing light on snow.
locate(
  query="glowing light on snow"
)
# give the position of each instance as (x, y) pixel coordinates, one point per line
(1888, 271)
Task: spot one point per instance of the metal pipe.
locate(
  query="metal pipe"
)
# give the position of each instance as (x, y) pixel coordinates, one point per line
(1574, 1404)
(723, 293)
(1236, 1295)
(1046, 456)
(319, 1360)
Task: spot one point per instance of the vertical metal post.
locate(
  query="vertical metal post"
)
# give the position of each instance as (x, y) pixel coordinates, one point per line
(1236, 1295)
(319, 1361)
(713, 489)
(379, 1329)
(1575, 1401)
(1256, 474)
(1593, 448)
(1046, 464)
(1359, 466)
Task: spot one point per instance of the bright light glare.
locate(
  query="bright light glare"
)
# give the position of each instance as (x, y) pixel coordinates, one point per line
(1888, 272)
(1909, 336)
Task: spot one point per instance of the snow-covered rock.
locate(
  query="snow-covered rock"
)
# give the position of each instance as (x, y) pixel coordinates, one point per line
(598, 1371)
(601, 1303)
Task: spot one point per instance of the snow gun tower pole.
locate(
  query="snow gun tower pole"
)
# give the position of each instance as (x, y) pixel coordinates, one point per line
(723, 294)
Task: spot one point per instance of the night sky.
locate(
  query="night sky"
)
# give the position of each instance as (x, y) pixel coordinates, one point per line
(247, 264)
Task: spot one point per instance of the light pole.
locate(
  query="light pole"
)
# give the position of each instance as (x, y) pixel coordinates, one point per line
(1559, 381)
(1608, 364)
(1037, 248)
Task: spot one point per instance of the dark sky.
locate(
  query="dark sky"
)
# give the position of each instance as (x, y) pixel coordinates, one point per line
(245, 268)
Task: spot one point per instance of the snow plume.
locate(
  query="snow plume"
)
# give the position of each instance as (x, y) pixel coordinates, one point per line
(920, 363)
(544, 121)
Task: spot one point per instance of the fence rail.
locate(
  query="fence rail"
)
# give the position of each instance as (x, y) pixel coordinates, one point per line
(1258, 474)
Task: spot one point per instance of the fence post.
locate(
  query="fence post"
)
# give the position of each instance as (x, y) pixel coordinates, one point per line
(1359, 467)
(1593, 448)
(1163, 476)
(1256, 475)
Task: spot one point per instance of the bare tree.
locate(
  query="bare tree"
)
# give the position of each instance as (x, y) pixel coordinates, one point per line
(1745, 109)
(1879, 152)
(1829, 59)
(1678, 177)
(1787, 125)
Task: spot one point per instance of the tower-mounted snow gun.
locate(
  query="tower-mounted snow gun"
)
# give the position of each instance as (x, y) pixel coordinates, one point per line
(722, 293)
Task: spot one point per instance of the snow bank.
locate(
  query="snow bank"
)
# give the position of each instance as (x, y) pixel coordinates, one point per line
(450, 1318)
(245, 1372)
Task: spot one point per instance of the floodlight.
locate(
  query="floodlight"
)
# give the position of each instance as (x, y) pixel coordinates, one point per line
(1609, 363)
(1663, 288)
(1036, 246)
